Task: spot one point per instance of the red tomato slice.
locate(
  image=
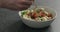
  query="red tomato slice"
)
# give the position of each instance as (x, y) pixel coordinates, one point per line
(34, 15)
(49, 15)
(42, 14)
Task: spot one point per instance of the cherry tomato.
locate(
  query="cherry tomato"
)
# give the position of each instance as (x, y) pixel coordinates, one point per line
(34, 15)
(49, 15)
(42, 14)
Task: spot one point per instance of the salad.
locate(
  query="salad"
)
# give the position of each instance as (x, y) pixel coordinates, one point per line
(38, 14)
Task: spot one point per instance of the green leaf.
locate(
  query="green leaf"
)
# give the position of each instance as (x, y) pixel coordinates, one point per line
(23, 13)
(40, 17)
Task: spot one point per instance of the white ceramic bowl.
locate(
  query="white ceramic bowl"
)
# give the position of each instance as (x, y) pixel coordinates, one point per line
(39, 24)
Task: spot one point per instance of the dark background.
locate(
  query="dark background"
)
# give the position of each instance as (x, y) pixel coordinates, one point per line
(10, 21)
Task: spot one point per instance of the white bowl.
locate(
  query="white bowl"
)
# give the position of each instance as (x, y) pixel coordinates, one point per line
(39, 24)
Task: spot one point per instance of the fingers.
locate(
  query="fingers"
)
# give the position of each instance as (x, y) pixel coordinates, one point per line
(25, 2)
(23, 7)
(18, 7)
(18, 4)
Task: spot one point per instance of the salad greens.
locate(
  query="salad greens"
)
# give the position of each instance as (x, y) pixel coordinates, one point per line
(40, 14)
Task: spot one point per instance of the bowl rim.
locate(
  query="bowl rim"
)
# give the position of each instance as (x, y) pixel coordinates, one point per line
(42, 21)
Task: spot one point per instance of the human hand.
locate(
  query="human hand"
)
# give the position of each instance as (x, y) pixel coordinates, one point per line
(16, 4)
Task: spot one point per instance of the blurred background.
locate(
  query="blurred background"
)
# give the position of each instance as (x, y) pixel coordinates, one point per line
(10, 21)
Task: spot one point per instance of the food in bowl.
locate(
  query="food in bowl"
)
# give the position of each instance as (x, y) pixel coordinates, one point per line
(38, 15)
